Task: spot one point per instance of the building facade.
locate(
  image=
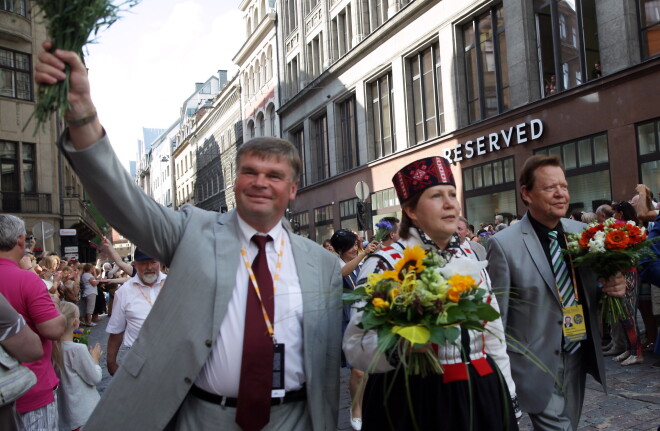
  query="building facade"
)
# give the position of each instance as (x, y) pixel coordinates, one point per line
(37, 183)
(371, 85)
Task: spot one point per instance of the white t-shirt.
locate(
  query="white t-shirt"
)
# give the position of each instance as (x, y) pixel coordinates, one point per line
(131, 306)
(76, 394)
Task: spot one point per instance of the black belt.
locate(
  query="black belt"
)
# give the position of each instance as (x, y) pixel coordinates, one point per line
(290, 397)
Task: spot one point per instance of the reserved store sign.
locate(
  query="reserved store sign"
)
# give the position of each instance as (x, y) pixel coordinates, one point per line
(514, 135)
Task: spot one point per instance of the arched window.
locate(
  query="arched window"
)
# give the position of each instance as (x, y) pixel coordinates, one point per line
(258, 82)
(263, 9)
(255, 18)
(269, 63)
(270, 113)
(252, 89)
(261, 124)
(262, 70)
(246, 80)
(248, 27)
(250, 129)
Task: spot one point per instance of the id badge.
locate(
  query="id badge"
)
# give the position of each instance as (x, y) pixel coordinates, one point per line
(278, 371)
(573, 325)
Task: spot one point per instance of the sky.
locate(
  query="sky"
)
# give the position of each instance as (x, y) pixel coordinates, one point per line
(145, 66)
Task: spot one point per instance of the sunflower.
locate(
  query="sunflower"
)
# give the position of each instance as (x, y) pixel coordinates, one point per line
(411, 261)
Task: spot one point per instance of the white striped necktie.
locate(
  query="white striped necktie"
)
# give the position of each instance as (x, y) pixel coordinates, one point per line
(564, 284)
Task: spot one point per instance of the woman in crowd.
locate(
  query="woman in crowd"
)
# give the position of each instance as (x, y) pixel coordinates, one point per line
(427, 192)
(624, 211)
(79, 372)
(345, 243)
(88, 283)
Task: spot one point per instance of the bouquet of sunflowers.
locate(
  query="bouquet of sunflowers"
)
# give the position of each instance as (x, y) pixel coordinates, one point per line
(608, 248)
(424, 299)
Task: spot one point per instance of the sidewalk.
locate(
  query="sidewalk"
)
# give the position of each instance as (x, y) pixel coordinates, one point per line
(633, 402)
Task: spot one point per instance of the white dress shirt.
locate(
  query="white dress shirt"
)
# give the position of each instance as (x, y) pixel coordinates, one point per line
(222, 371)
(131, 307)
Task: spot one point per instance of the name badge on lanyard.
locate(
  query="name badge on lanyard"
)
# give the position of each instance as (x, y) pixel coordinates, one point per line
(278, 390)
(573, 326)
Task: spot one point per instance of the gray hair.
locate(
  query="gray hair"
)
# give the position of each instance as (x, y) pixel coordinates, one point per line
(588, 217)
(266, 147)
(11, 228)
(499, 217)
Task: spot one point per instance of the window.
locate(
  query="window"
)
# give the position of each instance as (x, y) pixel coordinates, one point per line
(300, 223)
(381, 119)
(586, 162)
(348, 214)
(261, 123)
(270, 112)
(486, 69)
(342, 33)
(347, 146)
(424, 79)
(29, 175)
(323, 223)
(373, 13)
(567, 42)
(489, 190)
(292, 74)
(309, 5)
(290, 21)
(9, 161)
(650, 27)
(14, 6)
(648, 145)
(298, 140)
(319, 148)
(384, 199)
(315, 57)
(15, 75)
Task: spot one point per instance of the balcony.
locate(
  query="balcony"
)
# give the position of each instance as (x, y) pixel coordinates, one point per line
(26, 203)
(76, 208)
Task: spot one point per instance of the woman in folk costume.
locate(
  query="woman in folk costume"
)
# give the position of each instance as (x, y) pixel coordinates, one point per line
(475, 391)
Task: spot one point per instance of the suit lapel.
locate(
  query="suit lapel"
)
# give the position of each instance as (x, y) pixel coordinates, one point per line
(310, 295)
(227, 260)
(537, 254)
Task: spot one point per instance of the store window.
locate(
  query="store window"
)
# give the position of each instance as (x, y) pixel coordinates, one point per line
(381, 124)
(347, 145)
(348, 214)
(648, 144)
(486, 68)
(425, 83)
(323, 223)
(586, 163)
(567, 42)
(490, 190)
(320, 149)
(15, 75)
(650, 27)
(300, 223)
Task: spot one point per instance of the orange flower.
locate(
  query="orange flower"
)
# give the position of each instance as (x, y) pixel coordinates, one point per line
(616, 240)
(453, 294)
(636, 235)
(584, 239)
(461, 282)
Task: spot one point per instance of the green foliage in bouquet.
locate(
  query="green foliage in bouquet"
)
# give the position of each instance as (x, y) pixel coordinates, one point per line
(71, 25)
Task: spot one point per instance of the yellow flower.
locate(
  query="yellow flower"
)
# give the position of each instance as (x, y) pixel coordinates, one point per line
(453, 294)
(461, 282)
(380, 303)
(411, 261)
(394, 293)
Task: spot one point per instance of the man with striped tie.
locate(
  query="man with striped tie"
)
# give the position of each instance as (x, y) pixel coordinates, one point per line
(538, 287)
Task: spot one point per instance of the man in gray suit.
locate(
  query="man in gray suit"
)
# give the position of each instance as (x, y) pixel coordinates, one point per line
(549, 371)
(185, 369)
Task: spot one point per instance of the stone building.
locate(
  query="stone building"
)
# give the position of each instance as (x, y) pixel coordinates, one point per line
(37, 183)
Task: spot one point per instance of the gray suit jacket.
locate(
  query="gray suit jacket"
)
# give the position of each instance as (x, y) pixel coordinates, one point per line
(203, 252)
(532, 313)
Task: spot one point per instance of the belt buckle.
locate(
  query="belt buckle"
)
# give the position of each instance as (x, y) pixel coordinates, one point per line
(223, 401)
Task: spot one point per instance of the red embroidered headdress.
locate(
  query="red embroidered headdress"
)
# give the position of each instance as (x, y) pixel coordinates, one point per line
(420, 175)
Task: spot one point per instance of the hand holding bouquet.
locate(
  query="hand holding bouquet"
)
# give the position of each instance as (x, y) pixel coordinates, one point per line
(608, 248)
(424, 299)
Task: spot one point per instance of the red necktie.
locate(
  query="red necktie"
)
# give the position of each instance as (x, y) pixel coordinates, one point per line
(254, 391)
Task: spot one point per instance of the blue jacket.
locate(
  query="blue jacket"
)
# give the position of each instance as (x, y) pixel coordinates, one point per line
(650, 268)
